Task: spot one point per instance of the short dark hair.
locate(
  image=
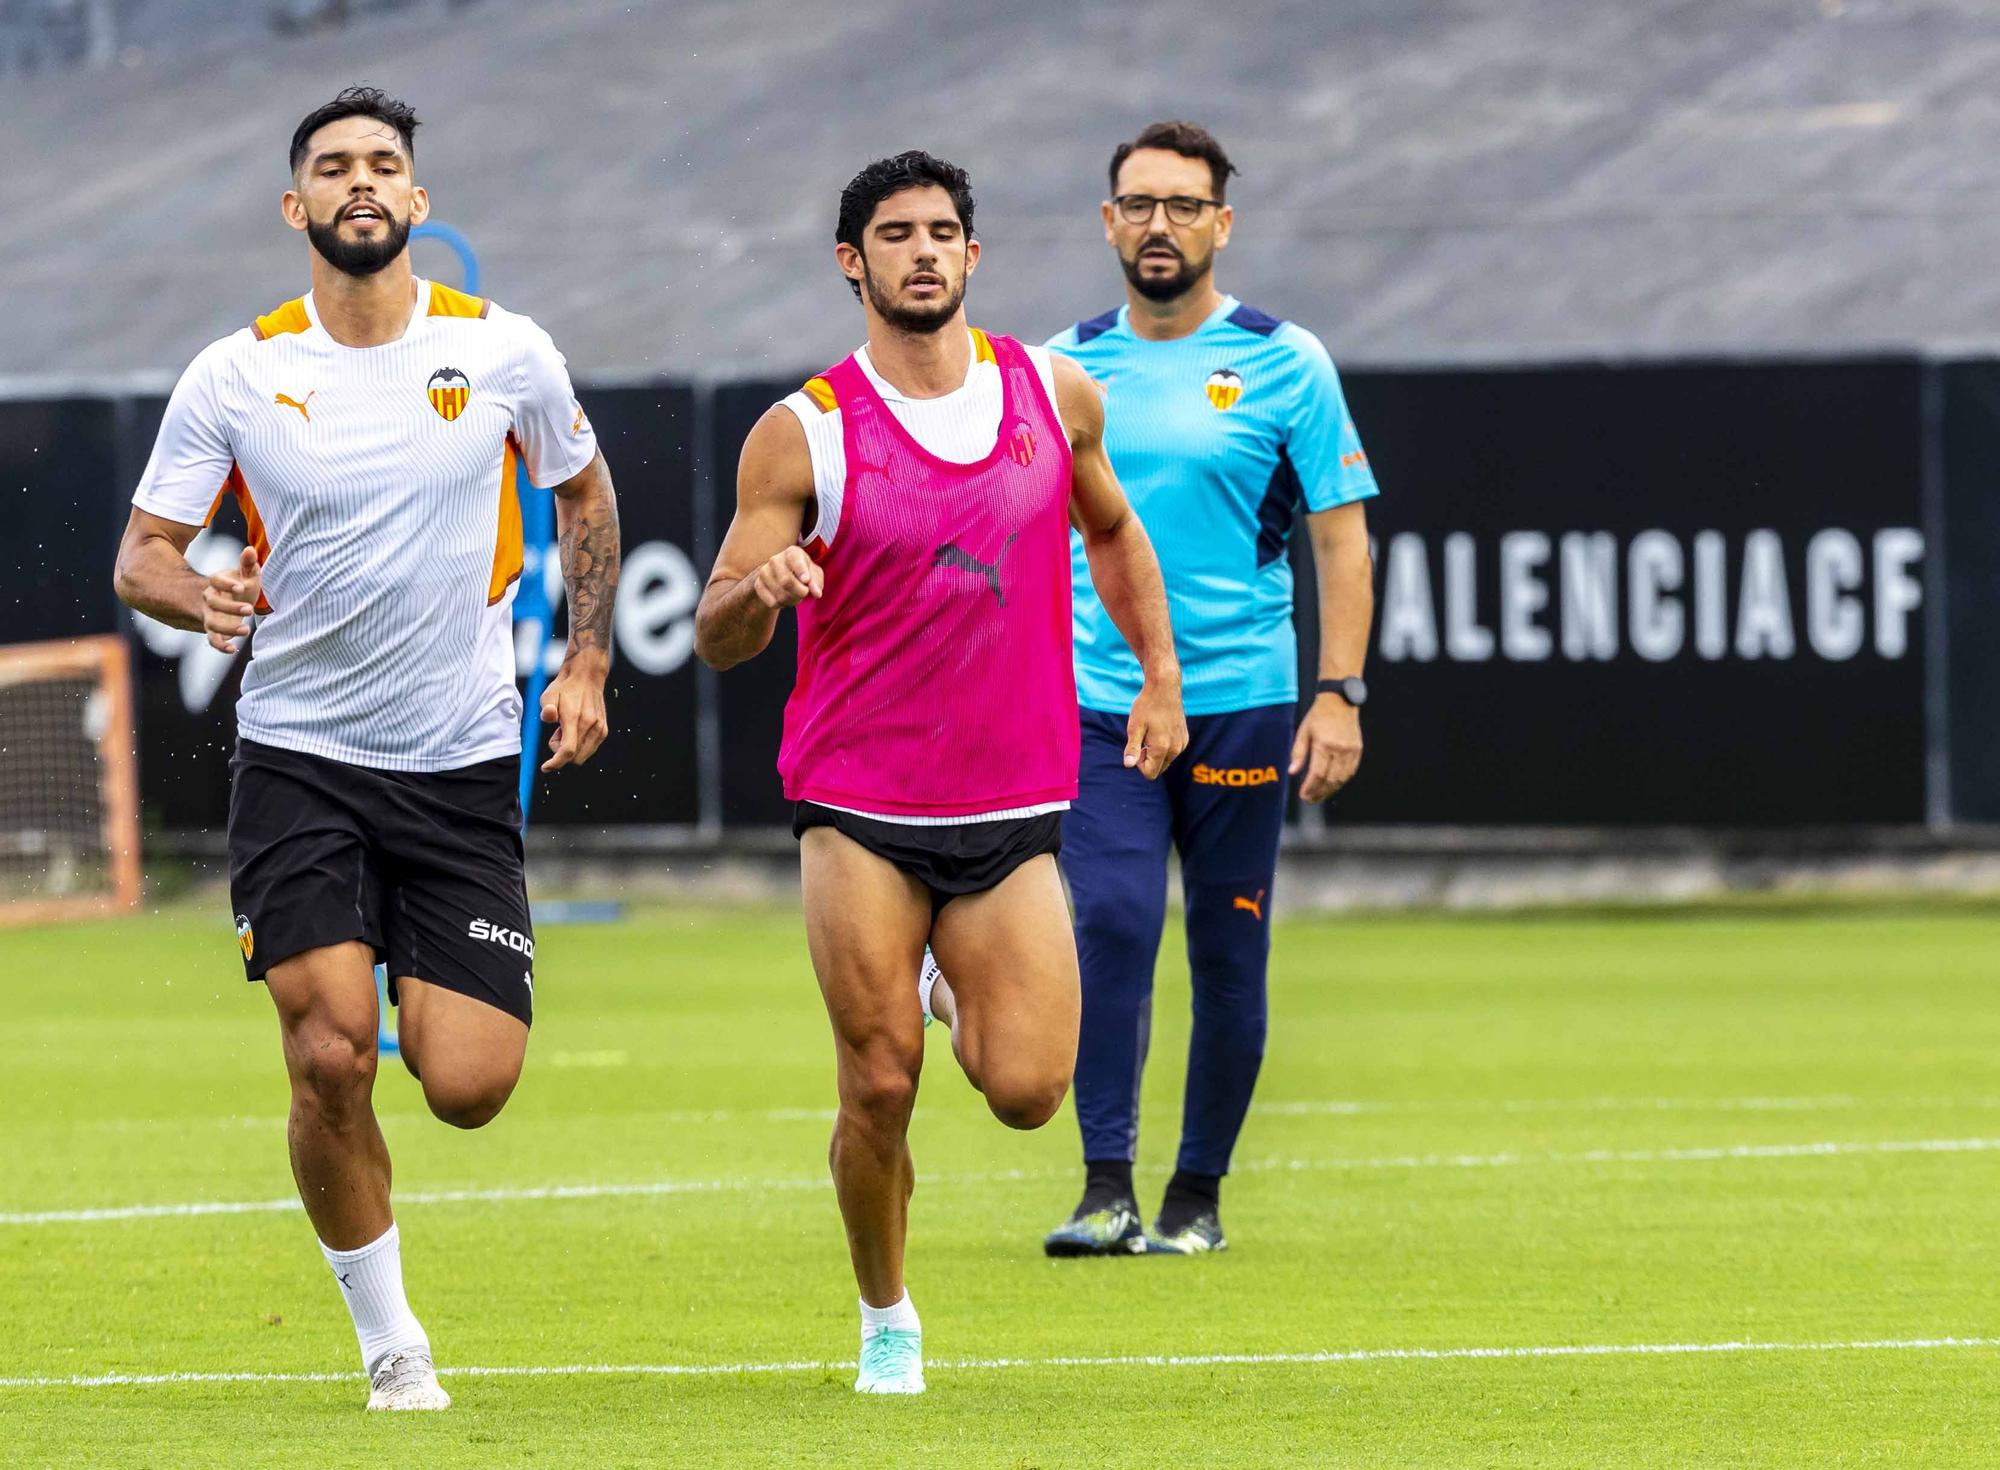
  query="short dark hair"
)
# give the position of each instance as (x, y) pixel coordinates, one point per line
(915, 169)
(1190, 140)
(357, 102)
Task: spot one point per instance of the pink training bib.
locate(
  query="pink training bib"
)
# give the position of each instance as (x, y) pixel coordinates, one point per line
(935, 674)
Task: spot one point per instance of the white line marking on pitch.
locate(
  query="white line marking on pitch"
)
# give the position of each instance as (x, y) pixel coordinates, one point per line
(1639, 1155)
(1299, 1108)
(1132, 1360)
(1338, 1107)
(1011, 1176)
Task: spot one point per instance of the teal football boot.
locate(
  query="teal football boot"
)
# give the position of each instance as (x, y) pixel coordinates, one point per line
(891, 1362)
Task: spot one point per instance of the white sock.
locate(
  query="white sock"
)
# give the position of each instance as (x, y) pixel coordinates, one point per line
(927, 979)
(902, 1317)
(370, 1278)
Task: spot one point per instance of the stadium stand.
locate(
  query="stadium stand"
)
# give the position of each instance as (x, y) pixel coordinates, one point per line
(1505, 178)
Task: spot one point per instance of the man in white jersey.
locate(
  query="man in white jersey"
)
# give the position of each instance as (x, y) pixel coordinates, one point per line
(371, 431)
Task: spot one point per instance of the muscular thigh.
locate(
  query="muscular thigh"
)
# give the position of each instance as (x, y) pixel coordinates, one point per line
(1011, 958)
(448, 1036)
(325, 996)
(866, 921)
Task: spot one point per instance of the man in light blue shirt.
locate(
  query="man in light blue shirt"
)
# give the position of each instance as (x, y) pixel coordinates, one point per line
(1225, 426)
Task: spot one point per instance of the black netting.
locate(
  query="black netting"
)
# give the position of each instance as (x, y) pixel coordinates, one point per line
(51, 789)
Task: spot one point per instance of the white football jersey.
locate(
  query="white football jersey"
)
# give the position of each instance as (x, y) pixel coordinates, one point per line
(379, 488)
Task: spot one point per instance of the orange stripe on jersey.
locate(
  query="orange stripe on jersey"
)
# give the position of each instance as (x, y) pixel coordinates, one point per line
(447, 302)
(233, 488)
(982, 347)
(291, 317)
(507, 544)
(821, 392)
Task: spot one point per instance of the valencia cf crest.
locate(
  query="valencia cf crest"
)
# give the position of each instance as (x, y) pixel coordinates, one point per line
(450, 388)
(1021, 445)
(1224, 388)
(246, 940)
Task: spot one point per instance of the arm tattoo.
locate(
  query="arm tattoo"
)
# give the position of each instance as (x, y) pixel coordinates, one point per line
(589, 547)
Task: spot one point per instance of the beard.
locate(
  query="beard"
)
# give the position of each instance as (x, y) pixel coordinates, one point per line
(1164, 288)
(359, 257)
(920, 319)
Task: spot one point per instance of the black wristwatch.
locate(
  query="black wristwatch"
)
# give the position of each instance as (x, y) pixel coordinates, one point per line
(1353, 689)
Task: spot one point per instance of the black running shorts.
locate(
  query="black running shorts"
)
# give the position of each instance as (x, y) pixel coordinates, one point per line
(423, 866)
(950, 862)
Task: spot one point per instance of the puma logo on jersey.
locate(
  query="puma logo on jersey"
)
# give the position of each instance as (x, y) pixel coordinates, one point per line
(494, 933)
(951, 554)
(1251, 905)
(577, 427)
(287, 401)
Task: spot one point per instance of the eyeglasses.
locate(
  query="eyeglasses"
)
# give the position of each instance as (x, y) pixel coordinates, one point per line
(1182, 209)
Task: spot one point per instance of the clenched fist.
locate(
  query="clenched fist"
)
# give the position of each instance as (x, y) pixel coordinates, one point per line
(229, 599)
(789, 578)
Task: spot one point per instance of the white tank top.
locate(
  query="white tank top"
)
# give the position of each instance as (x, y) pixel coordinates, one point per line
(960, 426)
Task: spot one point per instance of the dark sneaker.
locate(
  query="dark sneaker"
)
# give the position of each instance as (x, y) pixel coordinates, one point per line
(1112, 1231)
(1203, 1233)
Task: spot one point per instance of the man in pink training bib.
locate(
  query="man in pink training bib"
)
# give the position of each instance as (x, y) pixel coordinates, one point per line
(914, 503)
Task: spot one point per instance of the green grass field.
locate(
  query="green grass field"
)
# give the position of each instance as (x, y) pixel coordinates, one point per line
(1476, 1139)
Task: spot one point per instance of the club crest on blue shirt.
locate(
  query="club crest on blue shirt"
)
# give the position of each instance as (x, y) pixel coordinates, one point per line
(1224, 388)
(449, 388)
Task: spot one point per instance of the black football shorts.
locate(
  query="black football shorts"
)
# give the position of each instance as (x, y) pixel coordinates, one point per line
(423, 866)
(950, 861)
